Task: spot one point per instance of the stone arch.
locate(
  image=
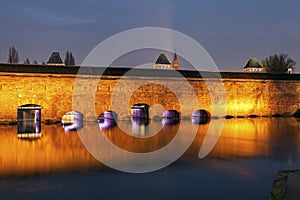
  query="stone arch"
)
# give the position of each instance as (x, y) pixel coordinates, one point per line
(154, 94)
(140, 110)
(201, 116)
(109, 114)
(171, 114)
(108, 119)
(29, 118)
(72, 120)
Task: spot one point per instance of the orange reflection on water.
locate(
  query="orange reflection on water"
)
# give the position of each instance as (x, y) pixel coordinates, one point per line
(58, 151)
(134, 143)
(54, 151)
(259, 137)
(243, 138)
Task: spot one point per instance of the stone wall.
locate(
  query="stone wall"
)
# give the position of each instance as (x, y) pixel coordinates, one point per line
(61, 93)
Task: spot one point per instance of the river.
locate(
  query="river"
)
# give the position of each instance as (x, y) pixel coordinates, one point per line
(242, 164)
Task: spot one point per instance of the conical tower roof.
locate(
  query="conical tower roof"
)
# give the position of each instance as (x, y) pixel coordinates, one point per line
(175, 61)
(252, 63)
(162, 59)
(55, 59)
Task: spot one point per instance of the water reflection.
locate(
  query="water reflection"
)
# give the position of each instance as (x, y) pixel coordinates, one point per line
(29, 126)
(140, 127)
(260, 138)
(139, 136)
(54, 151)
(107, 120)
(29, 129)
(170, 121)
(265, 138)
(72, 121)
(106, 123)
(201, 117)
(200, 120)
(29, 136)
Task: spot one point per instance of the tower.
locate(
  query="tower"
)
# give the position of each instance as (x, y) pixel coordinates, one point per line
(253, 66)
(175, 63)
(162, 62)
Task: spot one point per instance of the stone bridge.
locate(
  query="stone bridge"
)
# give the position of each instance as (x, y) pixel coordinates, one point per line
(60, 89)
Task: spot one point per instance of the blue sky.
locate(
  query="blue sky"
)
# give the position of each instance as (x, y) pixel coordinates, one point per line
(231, 31)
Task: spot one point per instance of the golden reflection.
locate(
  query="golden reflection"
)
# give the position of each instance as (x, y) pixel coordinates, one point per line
(139, 144)
(243, 138)
(29, 136)
(54, 151)
(259, 137)
(240, 138)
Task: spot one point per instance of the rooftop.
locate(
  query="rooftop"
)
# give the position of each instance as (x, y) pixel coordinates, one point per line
(162, 59)
(252, 63)
(55, 59)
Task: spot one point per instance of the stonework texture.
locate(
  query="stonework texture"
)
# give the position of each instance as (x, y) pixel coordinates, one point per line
(59, 94)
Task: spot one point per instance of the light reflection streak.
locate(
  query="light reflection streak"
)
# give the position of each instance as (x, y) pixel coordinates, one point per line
(260, 138)
(29, 135)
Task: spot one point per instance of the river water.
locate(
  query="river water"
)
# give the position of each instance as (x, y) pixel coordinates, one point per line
(242, 164)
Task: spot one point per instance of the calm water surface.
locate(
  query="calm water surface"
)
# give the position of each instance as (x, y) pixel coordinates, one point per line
(242, 165)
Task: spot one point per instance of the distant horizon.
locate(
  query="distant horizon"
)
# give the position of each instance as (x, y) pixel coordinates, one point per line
(183, 64)
(231, 31)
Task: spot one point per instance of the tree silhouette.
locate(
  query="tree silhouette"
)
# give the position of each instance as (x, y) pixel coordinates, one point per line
(13, 56)
(27, 62)
(278, 64)
(35, 62)
(69, 59)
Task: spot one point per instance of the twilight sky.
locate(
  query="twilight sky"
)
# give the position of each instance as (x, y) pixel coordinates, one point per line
(231, 31)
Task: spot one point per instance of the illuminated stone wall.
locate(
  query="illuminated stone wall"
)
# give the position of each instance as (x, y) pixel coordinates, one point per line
(54, 93)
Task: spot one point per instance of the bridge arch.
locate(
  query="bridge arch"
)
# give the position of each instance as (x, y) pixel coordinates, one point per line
(140, 110)
(29, 118)
(171, 114)
(201, 116)
(107, 119)
(72, 120)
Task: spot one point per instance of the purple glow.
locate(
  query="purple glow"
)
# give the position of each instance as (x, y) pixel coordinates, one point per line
(140, 111)
(107, 124)
(137, 113)
(201, 114)
(170, 121)
(108, 115)
(171, 114)
(200, 120)
(140, 121)
(72, 121)
(200, 117)
(29, 126)
(78, 124)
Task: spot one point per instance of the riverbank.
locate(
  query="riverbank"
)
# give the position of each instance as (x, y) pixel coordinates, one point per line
(286, 185)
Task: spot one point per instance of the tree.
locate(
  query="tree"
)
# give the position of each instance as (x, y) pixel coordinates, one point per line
(13, 56)
(27, 62)
(35, 62)
(69, 59)
(278, 64)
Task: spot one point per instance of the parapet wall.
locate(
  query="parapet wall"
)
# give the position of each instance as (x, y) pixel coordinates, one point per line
(246, 94)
